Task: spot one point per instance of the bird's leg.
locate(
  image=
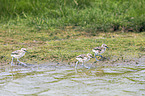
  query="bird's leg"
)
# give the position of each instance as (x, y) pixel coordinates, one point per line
(18, 60)
(12, 61)
(21, 62)
(76, 67)
(83, 63)
(85, 66)
(76, 64)
(96, 57)
(100, 56)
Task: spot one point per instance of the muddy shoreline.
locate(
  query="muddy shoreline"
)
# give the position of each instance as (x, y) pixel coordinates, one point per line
(101, 64)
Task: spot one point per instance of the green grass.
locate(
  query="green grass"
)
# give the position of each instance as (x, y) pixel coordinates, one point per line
(64, 46)
(89, 15)
(59, 30)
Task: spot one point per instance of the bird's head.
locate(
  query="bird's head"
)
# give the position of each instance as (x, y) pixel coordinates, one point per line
(90, 55)
(23, 49)
(104, 46)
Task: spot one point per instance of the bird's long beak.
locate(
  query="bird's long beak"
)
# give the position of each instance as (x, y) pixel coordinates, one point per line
(92, 57)
(107, 47)
(26, 51)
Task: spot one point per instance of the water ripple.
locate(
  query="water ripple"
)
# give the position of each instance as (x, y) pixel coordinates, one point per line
(128, 80)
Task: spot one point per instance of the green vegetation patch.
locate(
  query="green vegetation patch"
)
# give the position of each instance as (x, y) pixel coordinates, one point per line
(88, 15)
(64, 46)
(59, 30)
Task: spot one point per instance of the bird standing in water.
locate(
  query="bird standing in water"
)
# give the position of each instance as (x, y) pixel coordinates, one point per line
(83, 58)
(99, 50)
(18, 54)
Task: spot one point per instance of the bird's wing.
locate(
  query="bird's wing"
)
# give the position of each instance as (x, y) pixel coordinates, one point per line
(97, 48)
(81, 56)
(15, 52)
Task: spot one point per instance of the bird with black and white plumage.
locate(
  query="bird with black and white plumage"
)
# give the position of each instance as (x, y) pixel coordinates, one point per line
(83, 58)
(18, 54)
(99, 50)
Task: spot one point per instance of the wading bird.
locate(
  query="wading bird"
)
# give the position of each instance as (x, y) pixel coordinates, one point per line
(99, 50)
(83, 58)
(18, 54)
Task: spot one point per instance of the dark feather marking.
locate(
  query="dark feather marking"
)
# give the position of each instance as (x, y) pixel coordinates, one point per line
(81, 56)
(98, 48)
(14, 53)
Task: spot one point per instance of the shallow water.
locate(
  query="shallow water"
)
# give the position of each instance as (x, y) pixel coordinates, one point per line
(49, 80)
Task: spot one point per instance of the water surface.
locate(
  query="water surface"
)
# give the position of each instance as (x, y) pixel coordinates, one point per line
(53, 80)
